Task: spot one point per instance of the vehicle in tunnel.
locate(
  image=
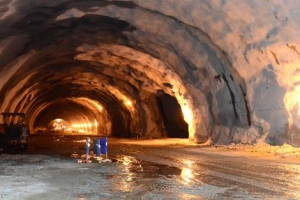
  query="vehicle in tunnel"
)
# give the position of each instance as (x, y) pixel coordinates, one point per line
(14, 136)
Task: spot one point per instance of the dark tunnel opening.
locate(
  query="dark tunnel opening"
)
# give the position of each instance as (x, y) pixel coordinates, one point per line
(172, 115)
(119, 120)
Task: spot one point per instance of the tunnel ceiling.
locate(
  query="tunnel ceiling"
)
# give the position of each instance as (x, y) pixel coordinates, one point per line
(232, 66)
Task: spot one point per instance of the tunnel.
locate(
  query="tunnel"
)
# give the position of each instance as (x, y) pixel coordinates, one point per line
(211, 71)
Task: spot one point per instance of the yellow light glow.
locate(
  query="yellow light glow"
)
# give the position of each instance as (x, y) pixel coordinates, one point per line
(292, 102)
(58, 120)
(128, 103)
(95, 123)
(188, 114)
(83, 128)
(189, 163)
(187, 175)
(126, 161)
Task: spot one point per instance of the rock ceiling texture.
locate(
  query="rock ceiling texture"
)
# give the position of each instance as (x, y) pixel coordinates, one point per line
(116, 67)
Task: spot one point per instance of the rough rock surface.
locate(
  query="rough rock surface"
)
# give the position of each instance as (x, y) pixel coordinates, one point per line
(232, 66)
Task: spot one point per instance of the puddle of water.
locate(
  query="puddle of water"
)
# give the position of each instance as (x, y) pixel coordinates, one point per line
(147, 169)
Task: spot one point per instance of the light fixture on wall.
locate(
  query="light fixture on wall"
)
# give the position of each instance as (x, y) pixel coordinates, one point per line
(128, 103)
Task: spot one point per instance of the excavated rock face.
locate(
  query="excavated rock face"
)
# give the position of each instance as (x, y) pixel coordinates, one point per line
(224, 71)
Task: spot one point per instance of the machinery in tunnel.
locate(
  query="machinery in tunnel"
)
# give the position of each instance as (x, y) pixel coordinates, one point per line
(14, 132)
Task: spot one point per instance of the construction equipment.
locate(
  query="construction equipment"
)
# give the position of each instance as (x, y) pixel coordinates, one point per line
(14, 136)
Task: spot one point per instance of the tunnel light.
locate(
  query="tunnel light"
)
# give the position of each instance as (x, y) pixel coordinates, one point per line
(58, 120)
(128, 103)
(100, 108)
(292, 104)
(97, 105)
(95, 123)
(83, 128)
(187, 114)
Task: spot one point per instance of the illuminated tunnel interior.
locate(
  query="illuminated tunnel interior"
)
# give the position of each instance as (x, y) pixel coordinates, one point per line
(198, 70)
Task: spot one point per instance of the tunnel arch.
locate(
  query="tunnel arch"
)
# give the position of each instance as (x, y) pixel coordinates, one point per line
(108, 57)
(125, 46)
(77, 117)
(112, 52)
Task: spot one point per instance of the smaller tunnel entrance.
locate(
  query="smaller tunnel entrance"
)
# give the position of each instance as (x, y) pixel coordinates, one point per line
(172, 115)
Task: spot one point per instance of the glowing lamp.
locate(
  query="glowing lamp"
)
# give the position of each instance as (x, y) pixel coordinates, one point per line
(128, 103)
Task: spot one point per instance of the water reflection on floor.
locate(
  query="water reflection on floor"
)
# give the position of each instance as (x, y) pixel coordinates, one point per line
(136, 177)
(139, 172)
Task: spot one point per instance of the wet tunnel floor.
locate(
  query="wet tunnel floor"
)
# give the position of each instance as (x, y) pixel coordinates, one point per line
(50, 171)
(50, 165)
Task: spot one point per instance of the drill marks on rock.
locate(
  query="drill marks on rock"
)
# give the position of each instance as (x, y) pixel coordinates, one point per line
(231, 95)
(246, 106)
(293, 48)
(275, 57)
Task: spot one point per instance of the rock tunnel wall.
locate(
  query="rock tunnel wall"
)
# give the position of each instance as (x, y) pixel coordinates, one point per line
(231, 65)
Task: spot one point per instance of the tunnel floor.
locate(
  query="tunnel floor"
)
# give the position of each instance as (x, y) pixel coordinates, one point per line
(144, 169)
(58, 144)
